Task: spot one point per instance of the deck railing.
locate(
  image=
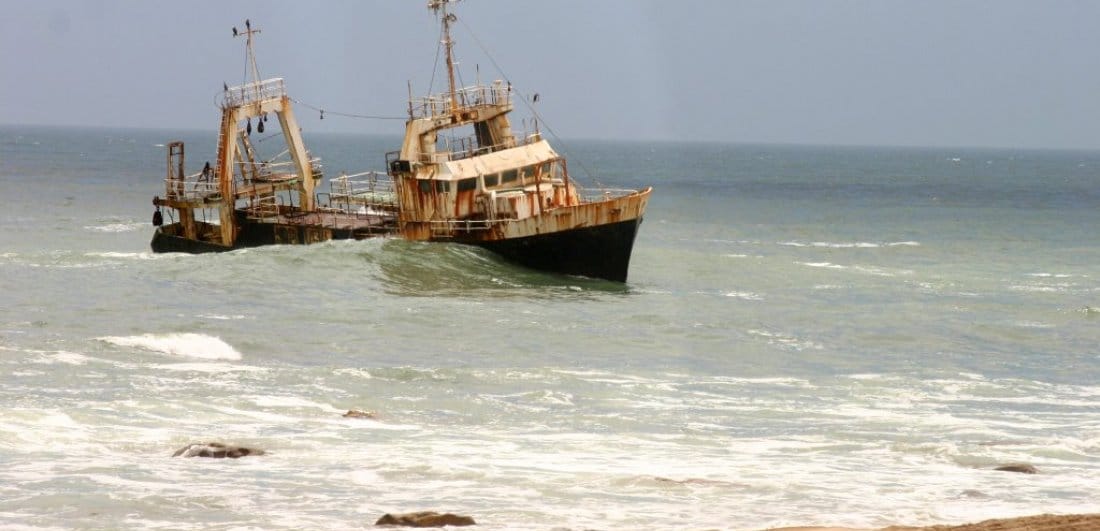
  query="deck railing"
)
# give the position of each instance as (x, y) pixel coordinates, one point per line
(371, 190)
(473, 96)
(604, 194)
(253, 92)
(193, 187)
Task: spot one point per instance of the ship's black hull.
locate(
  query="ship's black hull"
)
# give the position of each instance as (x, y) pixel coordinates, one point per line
(601, 252)
(254, 234)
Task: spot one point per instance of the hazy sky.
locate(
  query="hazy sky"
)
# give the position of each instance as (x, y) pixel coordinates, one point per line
(1008, 73)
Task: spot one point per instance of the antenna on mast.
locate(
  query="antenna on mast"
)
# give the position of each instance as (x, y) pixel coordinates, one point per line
(250, 54)
(447, 18)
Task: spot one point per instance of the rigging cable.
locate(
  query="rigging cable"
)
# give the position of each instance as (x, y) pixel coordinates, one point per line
(435, 67)
(347, 114)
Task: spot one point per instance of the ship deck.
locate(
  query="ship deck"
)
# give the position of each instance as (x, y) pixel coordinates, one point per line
(332, 220)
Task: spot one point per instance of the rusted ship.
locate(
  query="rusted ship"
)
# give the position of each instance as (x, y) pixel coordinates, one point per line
(510, 195)
(245, 200)
(462, 175)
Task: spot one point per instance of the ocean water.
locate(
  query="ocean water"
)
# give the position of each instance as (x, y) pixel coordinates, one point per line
(809, 335)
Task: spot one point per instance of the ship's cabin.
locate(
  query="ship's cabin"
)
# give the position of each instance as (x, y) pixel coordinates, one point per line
(510, 184)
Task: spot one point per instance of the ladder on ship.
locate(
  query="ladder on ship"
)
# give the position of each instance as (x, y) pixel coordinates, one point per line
(175, 175)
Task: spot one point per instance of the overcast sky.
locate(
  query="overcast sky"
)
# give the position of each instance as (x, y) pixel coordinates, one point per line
(1005, 73)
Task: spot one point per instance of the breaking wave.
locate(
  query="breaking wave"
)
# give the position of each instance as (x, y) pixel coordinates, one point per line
(184, 345)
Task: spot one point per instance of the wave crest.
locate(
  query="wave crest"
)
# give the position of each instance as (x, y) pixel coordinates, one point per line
(185, 345)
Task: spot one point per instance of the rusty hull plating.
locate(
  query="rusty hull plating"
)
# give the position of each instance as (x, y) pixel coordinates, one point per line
(257, 201)
(507, 194)
(513, 196)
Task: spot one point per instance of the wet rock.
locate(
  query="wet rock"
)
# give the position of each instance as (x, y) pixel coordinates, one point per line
(693, 481)
(359, 414)
(425, 519)
(216, 450)
(1022, 468)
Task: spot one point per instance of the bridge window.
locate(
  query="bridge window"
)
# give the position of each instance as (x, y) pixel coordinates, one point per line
(509, 176)
(492, 180)
(465, 185)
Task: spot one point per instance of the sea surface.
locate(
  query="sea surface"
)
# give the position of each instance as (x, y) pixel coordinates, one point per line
(809, 335)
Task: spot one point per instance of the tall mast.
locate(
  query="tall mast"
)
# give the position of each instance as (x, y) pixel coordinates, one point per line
(440, 7)
(250, 54)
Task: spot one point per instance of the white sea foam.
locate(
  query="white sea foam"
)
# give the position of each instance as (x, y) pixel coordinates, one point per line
(850, 245)
(745, 295)
(61, 356)
(147, 255)
(116, 227)
(220, 317)
(186, 345)
(1040, 288)
(784, 341)
(870, 270)
(213, 368)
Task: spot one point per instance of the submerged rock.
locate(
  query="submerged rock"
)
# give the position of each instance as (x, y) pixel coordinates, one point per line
(216, 450)
(693, 481)
(425, 519)
(1022, 468)
(359, 414)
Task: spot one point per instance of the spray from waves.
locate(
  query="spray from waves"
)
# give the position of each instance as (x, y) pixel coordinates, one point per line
(182, 345)
(145, 255)
(851, 245)
(117, 227)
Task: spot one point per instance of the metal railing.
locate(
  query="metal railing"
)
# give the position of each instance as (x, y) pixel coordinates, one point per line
(193, 187)
(603, 194)
(253, 92)
(473, 96)
(449, 227)
(371, 190)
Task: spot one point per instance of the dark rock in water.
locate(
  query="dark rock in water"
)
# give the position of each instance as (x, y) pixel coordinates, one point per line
(215, 450)
(425, 519)
(971, 493)
(359, 414)
(1022, 468)
(692, 481)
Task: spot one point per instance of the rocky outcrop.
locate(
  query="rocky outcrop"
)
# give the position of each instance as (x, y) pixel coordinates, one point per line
(216, 450)
(425, 519)
(359, 414)
(1022, 468)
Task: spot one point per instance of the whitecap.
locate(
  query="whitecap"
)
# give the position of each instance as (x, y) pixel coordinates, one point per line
(851, 245)
(148, 255)
(68, 358)
(1040, 288)
(212, 368)
(186, 345)
(876, 271)
(826, 265)
(784, 341)
(220, 317)
(116, 227)
(745, 295)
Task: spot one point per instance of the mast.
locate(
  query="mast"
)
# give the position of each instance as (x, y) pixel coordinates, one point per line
(250, 55)
(440, 7)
